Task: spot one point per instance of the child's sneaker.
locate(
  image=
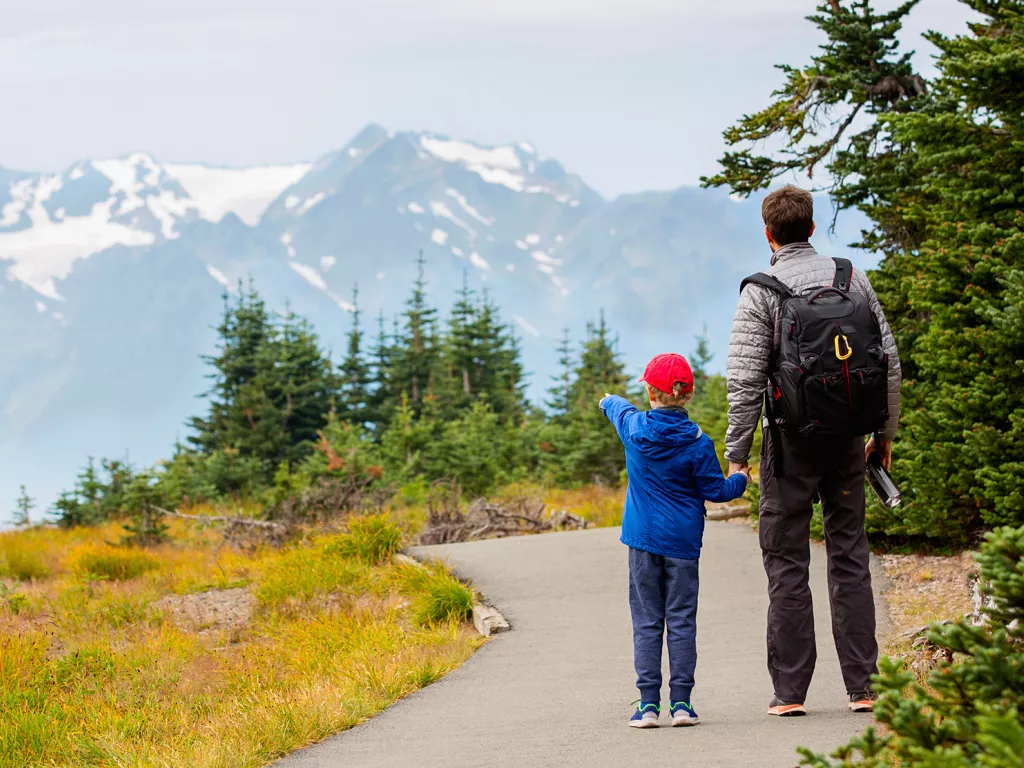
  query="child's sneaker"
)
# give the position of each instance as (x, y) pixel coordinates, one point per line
(646, 715)
(683, 713)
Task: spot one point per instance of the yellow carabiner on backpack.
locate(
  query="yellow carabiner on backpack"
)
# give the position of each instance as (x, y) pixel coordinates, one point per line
(849, 349)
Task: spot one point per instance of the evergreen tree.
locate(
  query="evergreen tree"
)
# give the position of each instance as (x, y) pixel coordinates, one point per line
(498, 372)
(84, 505)
(957, 302)
(600, 368)
(23, 508)
(382, 398)
(119, 477)
(461, 350)
(145, 526)
(595, 452)
(70, 511)
(971, 710)
(701, 358)
(414, 357)
(355, 401)
(90, 489)
(244, 333)
(273, 387)
(939, 170)
(826, 116)
(710, 405)
(560, 394)
(302, 386)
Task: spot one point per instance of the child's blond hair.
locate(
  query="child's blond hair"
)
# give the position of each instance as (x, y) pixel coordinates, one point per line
(680, 396)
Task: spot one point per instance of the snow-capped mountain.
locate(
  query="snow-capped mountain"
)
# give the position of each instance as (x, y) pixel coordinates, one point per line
(114, 271)
(50, 221)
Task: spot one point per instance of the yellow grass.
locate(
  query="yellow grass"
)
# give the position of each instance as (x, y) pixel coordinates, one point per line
(93, 674)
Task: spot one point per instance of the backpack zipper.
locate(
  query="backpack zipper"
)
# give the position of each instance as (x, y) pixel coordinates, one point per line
(846, 376)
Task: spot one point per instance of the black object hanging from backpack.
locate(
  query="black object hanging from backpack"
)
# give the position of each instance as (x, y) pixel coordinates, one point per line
(829, 375)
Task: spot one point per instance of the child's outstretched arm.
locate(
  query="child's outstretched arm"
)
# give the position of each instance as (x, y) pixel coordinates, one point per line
(707, 473)
(620, 413)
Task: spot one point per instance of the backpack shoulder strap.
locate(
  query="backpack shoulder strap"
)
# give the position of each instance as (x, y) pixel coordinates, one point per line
(767, 281)
(844, 274)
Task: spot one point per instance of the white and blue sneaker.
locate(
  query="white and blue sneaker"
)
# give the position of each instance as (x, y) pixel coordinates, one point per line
(683, 713)
(646, 715)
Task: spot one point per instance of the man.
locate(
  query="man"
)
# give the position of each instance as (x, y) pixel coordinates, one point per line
(797, 467)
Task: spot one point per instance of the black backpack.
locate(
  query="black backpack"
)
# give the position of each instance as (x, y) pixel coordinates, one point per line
(829, 375)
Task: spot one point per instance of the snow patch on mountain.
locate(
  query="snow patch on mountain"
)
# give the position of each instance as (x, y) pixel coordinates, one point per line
(470, 154)
(486, 221)
(309, 274)
(443, 211)
(541, 257)
(47, 250)
(219, 276)
(310, 202)
(246, 192)
(345, 305)
(21, 193)
(495, 165)
(526, 326)
(166, 208)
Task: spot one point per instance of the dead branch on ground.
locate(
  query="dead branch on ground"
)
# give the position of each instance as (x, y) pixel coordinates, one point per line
(448, 522)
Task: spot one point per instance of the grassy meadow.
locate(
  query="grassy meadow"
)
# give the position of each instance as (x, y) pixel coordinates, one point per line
(112, 656)
(194, 653)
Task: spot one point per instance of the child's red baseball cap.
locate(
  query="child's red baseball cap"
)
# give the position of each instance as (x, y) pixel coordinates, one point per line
(664, 371)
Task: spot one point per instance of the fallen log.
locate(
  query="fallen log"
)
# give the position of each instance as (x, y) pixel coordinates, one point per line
(222, 519)
(729, 513)
(243, 531)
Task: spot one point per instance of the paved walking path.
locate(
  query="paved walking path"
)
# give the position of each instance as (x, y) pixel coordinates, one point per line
(555, 691)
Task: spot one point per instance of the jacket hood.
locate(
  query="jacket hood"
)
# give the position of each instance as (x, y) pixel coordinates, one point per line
(668, 429)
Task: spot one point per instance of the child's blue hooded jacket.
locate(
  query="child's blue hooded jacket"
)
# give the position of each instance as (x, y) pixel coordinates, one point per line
(672, 470)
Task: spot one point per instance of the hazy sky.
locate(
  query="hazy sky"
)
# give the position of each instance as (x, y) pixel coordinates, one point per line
(630, 94)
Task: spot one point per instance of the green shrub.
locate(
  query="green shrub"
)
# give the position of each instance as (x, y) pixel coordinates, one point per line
(971, 712)
(372, 539)
(444, 599)
(114, 564)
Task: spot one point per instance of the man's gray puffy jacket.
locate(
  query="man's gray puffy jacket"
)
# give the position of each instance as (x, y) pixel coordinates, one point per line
(756, 332)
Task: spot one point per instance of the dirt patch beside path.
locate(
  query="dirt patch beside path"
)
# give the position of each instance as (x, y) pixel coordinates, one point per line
(923, 589)
(212, 611)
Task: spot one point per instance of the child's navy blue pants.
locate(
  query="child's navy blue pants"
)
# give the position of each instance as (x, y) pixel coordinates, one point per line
(663, 594)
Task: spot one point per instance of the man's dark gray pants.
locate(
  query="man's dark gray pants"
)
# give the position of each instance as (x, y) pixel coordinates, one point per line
(663, 594)
(834, 467)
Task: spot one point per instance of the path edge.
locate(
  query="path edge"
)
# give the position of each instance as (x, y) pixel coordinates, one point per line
(487, 619)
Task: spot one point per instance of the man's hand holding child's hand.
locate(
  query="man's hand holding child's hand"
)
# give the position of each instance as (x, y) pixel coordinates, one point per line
(740, 469)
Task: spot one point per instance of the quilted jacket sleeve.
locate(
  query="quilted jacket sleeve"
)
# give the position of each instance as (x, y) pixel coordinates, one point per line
(621, 413)
(707, 475)
(889, 344)
(750, 345)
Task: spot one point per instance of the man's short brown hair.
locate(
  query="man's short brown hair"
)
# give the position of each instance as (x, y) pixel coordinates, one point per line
(789, 215)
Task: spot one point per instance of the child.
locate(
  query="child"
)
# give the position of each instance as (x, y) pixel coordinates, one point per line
(672, 470)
